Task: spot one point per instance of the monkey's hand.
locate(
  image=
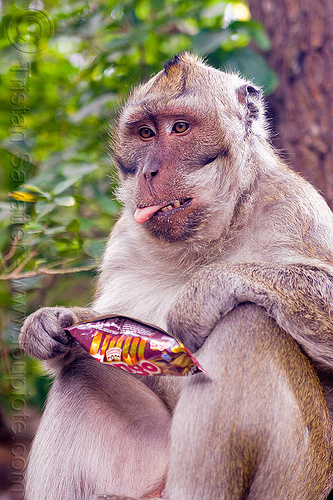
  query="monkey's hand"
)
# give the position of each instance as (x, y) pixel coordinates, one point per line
(298, 297)
(43, 334)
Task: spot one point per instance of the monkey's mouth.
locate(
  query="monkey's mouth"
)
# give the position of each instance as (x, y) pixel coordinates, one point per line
(142, 214)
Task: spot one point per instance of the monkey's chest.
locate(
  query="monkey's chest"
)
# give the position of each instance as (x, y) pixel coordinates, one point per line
(148, 300)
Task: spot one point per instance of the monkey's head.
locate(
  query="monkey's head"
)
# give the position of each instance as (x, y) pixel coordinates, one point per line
(184, 146)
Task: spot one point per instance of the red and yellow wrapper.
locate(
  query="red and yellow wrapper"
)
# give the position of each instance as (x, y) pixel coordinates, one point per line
(134, 346)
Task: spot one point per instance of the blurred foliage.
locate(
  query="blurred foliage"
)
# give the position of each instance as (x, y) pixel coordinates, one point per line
(66, 66)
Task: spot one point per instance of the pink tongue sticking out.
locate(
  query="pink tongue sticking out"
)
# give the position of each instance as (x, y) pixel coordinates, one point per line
(143, 214)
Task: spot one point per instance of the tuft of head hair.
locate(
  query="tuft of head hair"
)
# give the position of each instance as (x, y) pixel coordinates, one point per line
(180, 60)
(177, 76)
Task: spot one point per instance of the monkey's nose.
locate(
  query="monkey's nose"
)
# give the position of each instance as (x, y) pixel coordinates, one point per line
(150, 171)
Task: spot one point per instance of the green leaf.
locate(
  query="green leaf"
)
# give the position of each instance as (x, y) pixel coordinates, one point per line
(206, 42)
(256, 31)
(43, 208)
(65, 184)
(78, 170)
(107, 205)
(36, 189)
(64, 201)
(74, 226)
(93, 108)
(94, 248)
(251, 65)
(236, 41)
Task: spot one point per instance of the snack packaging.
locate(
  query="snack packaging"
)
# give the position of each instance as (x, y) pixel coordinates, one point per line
(134, 346)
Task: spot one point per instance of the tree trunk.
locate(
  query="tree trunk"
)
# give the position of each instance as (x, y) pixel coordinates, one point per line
(301, 33)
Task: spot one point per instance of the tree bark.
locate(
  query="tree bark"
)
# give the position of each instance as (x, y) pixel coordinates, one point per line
(301, 33)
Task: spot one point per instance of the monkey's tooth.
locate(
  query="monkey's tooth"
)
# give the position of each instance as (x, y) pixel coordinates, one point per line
(175, 204)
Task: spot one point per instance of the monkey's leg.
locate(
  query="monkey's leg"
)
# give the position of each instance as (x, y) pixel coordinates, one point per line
(256, 426)
(102, 431)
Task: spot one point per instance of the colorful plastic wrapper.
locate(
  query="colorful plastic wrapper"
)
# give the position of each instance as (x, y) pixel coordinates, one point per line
(134, 346)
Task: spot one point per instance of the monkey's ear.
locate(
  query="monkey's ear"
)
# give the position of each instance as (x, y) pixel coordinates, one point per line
(249, 96)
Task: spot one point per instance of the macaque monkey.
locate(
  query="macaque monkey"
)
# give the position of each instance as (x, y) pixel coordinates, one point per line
(220, 243)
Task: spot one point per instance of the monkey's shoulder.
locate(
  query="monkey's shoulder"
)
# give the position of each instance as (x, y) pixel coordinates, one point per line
(291, 221)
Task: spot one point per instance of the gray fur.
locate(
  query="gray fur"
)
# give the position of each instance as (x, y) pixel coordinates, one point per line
(256, 426)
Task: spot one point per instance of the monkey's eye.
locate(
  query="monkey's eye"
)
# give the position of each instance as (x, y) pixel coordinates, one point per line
(180, 127)
(146, 133)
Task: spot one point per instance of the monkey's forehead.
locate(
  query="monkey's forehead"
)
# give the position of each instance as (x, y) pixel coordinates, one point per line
(186, 83)
(151, 106)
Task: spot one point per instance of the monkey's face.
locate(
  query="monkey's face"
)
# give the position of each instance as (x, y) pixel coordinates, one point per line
(164, 155)
(173, 150)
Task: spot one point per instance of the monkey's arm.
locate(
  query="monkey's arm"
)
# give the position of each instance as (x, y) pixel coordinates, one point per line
(43, 334)
(299, 298)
